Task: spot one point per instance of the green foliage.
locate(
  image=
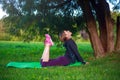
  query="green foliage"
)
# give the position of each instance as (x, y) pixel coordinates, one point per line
(38, 17)
(106, 68)
(3, 34)
(114, 15)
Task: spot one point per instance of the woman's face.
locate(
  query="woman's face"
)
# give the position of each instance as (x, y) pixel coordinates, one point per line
(65, 35)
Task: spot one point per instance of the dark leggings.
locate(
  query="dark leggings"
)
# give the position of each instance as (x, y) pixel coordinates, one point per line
(60, 61)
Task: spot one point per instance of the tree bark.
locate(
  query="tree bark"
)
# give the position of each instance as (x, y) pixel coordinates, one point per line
(117, 46)
(105, 24)
(101, 21)
(92, 28)
(110, 35)
(109, 28)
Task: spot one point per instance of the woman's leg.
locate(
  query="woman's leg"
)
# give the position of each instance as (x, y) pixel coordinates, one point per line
(48, 43)
(45, 55)
(60, 61)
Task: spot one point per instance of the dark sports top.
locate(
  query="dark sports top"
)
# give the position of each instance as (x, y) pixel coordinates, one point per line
(72, 51)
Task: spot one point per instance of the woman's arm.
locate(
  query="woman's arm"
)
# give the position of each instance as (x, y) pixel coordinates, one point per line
(74, 50)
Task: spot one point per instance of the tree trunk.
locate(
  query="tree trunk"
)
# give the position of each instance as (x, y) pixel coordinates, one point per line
(101, 21)
(117, 47)
(110, 35)
(92, 28)
(105, 24)
(107, 21)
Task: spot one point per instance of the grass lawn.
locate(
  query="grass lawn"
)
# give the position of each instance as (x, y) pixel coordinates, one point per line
(107, 68)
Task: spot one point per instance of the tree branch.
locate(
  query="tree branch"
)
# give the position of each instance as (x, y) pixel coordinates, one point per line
(61, 4)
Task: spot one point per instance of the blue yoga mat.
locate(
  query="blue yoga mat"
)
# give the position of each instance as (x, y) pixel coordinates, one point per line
(32, 64)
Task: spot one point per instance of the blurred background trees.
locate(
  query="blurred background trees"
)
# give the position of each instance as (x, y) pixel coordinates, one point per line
(31, 19)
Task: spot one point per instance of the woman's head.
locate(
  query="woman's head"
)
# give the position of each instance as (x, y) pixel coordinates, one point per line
(62, 36)
(65, 35)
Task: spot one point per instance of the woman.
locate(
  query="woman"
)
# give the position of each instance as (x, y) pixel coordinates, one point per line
(71, 55)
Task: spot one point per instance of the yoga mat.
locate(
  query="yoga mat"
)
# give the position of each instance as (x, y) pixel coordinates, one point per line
(32, 64)
(24, 64)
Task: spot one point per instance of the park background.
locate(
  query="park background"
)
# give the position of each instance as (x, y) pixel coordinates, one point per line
(92, 23)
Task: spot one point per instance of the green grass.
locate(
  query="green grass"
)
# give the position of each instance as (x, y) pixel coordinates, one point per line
(106, 68)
